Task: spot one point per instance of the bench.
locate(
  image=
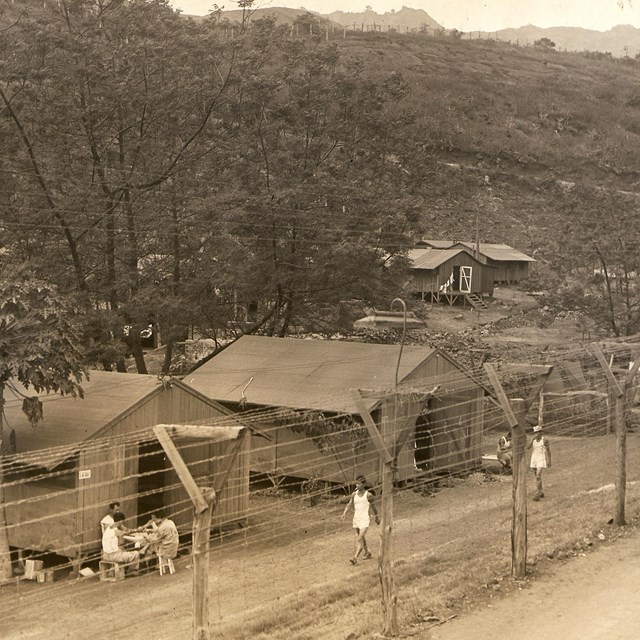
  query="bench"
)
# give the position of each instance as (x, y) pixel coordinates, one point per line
(110, 571)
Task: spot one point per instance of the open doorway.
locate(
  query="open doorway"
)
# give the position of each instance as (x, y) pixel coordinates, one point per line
(152, 467)
(423, 453)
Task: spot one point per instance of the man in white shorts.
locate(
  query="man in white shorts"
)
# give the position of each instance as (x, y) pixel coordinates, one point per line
(362, 501)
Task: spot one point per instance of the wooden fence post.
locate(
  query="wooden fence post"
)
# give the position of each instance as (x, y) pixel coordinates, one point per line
(620, 424)
(204, 504)
(385, 566)
(383, 443)
(516, 411)
(617, 417)
(620, 413)
(201, 533)
(519, 494)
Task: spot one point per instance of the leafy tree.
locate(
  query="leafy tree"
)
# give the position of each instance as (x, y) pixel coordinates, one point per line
(39, 348)
(110, 103)
(324, 215)
(594, 249)
(544, 43)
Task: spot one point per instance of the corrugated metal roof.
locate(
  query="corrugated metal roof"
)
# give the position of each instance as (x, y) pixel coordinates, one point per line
(499, 252)
(68, 420)
(303, 374)
(437, 244)
(494, 251)
(433, 258)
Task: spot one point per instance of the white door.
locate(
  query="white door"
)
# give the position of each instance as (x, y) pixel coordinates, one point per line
(465, 279)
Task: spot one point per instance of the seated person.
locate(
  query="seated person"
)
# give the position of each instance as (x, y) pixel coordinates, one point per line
(112, 540)
(163, 537)
(505, 451)
(107, 521)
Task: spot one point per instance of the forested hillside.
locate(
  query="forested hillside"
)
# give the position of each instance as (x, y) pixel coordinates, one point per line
(161, 169)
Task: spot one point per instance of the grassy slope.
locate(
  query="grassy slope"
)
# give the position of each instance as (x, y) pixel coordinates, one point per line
(464, 560)
(501, 129)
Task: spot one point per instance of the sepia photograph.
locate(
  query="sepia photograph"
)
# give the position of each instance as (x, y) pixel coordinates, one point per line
(319, 319)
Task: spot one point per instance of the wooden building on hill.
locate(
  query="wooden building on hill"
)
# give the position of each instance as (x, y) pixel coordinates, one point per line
(453, 275)
(285, 377)
(510, 265)
(86, 453)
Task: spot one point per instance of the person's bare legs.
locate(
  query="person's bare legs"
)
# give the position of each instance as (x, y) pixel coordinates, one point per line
(539, 492)
(361, 544)
(366, 554)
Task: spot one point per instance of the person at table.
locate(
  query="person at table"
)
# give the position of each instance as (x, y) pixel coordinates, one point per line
(163, 536)
(112, 544)
(107, 521)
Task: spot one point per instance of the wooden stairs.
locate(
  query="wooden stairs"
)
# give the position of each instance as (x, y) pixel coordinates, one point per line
(475, 301)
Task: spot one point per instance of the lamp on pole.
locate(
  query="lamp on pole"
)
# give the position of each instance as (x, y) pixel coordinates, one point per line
(404, 332)
(392, 320)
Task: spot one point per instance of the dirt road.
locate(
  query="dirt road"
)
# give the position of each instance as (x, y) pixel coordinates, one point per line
(594, 597)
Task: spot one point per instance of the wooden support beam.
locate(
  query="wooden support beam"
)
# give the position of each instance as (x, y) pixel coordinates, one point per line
(199, 503)
(519, 499)
(378, 442)
(200, 540)
(570, 394)
(388, 585)
(202, 432)
(519, 496)
(597, 352)
(505, 405)
(537, 388)
(227, 464)
(204, 503)
(620, 421)
(524, 367)
(633, 371)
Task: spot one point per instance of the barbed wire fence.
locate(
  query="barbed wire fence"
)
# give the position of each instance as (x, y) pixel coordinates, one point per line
(285, 551)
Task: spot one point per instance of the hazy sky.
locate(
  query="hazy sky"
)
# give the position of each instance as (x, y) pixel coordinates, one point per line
(468, 15)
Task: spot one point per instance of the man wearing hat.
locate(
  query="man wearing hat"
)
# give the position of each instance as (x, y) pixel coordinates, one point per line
(540, 458)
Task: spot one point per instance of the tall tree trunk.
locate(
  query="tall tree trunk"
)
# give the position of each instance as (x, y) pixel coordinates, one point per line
(610, 305)
(133, 340)
(35, 165)
(168, 355)
(136, 349)
(287, 314)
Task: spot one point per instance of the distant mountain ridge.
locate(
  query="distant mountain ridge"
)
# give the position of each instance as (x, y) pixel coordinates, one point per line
(623, 40)
(405, 18)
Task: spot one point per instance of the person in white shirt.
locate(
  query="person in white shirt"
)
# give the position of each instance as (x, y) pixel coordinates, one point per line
(540, 458)
(362, 501)
(107, 521)
(112, 550)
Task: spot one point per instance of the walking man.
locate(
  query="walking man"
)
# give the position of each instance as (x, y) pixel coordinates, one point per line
(362, 501)
(540, 458)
